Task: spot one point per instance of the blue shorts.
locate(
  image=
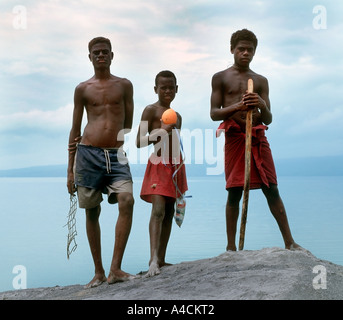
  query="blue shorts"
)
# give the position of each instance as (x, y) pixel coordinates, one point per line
(99, 170)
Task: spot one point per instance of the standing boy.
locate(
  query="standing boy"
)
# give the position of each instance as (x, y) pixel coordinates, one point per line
(230, 102)
(99, 167)
(158, 185)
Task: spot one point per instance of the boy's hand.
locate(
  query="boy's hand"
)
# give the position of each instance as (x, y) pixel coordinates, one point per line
(253, 100)
(72, 146)
(167, 127)
(70, 183)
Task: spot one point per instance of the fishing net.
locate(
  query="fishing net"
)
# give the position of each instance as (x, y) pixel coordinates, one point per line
(71, 242)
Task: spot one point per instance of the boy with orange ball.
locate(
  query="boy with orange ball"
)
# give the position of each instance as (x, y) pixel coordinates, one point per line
(158, 185)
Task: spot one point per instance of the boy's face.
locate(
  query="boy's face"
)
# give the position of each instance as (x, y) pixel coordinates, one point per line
(101, 55)
(166, 89)
(243, 53)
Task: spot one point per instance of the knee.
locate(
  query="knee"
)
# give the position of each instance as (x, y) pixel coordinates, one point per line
(272, 193)
(158, 211)
(126, 201)
(234, 197)
(93, 213)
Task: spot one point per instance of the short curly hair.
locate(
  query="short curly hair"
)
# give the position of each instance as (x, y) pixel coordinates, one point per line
(243, 34)
(165, 74)
(98, 40)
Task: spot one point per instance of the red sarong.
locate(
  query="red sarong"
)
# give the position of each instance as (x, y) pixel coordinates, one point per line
(262, 164)
(158, 179)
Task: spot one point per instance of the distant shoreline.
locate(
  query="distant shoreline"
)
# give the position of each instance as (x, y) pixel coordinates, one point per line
(314, 166)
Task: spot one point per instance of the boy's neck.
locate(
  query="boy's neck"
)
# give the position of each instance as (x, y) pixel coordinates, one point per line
(102, 74)
(241, 68)
(164, 105)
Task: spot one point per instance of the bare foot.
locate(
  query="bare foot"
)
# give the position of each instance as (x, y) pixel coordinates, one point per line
(293, 246)
(153, 270)
(165, 264)
(119, 276)
(96, 281)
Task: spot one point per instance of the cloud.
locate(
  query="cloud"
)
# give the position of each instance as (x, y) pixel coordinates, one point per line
(37, 120)
(44, 62)
(326, 121)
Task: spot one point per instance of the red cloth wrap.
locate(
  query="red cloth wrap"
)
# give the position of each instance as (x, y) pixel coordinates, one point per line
(262, 164)
(158, 179)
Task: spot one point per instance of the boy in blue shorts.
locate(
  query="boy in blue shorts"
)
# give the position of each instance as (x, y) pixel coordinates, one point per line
(100, 165)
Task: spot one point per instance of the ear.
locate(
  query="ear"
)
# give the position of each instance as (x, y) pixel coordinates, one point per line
(176, 88)
(112, 55)
(155, 88)
(90, 57)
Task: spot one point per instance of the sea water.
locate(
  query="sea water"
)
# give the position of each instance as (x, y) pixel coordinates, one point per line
(34, 212)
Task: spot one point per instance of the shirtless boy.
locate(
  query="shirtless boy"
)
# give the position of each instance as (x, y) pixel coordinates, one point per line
(108, 101)
(229, 103)
(158, 187)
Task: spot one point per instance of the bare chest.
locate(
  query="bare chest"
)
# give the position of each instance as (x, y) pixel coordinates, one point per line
(235, 86)
(103, 95)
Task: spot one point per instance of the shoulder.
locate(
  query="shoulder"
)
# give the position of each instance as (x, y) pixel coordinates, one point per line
(124, 85)
(259, 78)
(126, 82)
(149, 111)
(260, 83)
(123, 81)
(222, 76)
(80, 89)
(83, 85)
(219, 75)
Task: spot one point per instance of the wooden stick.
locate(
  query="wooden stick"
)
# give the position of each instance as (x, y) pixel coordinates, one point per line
(248, 130)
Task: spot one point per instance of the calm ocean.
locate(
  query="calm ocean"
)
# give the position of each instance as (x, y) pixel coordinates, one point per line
(34, 212)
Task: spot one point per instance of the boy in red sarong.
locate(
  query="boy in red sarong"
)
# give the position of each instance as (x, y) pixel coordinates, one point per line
(230, 103)
(158, 185)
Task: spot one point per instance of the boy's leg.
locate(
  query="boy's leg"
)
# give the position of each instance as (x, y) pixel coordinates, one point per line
(93, 234)
(278, 210)
(122, 232)
(232, 213)
(165, 232)
(155, 231)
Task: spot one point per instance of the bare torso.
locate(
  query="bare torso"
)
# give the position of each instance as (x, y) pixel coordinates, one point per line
(152, 115)
(104, 101)
(234, 87)
(230, 85)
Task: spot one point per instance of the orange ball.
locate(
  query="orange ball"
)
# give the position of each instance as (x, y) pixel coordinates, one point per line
(169, 116)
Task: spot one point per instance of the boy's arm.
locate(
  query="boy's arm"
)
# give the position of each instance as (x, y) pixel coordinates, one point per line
(74, 135)
(146, 133)
(129, 106)
(266, 115)
(218, 111)
(143, 129)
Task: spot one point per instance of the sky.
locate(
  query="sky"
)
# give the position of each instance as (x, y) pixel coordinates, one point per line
(44, 56)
